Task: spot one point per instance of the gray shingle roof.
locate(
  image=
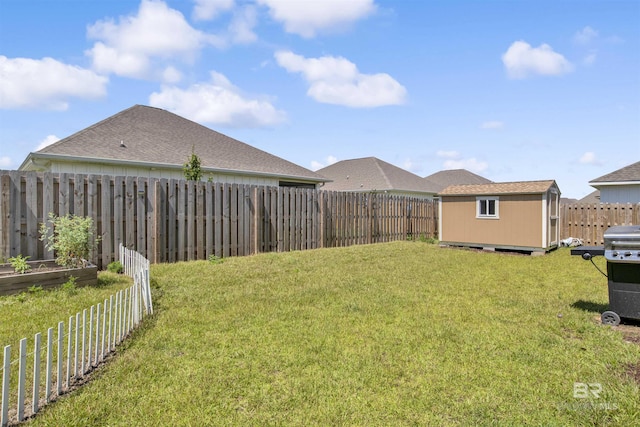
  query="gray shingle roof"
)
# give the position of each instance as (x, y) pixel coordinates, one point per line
(521, 187)
(157, 136)
(593, 197)
(449, 177)
(627, 173)
(373, 174)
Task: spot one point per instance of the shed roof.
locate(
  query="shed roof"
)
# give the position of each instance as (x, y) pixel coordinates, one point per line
(149, 135)
(630, 173)
(373, 174)
(449, 177)
(520, 187)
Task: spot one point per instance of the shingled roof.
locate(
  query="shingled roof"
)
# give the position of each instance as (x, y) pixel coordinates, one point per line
(149, 135)
(373, 174)
(449, 177)
(629, 173)
(521, 187)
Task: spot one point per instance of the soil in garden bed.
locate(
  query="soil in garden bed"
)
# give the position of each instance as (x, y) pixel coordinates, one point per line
(46, 274)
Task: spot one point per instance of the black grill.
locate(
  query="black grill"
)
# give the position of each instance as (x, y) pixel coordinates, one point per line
(622, 251)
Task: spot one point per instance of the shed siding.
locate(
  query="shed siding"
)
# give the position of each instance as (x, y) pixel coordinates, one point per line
(520, 221)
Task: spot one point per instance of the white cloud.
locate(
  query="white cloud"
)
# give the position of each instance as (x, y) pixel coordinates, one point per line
(448, 154)
(171, 75)
(585, 36)
(522, 60)
(590, 59)
(208, 9)
(218, 102)
(470, 164)
(50, 139)
(336, 80)
(454, 160)
(157, 33)
(5, 162)
(315, 165)
(45, 83)
(241, 27)
(589, 158)
(308, 18)
(492, 125)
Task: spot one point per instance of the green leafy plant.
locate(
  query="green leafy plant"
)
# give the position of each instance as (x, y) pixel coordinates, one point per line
(215, 259)
(69, 286)
(69, 237)
(115, 267)
(35, 289)
(19, 264)
(193, 169)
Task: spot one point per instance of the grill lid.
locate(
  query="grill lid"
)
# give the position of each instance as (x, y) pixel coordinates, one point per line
(622, 243)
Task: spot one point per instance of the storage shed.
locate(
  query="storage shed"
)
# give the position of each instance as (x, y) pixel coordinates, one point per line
(509, 215)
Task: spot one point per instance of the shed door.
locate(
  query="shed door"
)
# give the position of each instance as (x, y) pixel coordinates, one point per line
(552, 208)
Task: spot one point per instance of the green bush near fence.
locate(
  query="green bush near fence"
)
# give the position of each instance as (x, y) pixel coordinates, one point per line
(403, 333)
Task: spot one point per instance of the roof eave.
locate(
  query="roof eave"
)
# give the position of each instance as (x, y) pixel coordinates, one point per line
(602, 183)
(32, 157)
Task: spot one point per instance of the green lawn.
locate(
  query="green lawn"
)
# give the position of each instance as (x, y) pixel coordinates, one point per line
(402, 333)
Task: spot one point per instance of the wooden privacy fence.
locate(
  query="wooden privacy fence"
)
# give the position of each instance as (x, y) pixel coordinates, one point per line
(169, 220)
(72, 352)
(589, 221)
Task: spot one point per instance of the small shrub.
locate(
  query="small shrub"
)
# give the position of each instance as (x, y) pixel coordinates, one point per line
(215, 259)
(69, 286)
(69, 237)
(115, 267)
(19, 264)
(35, 289)
(192, 169)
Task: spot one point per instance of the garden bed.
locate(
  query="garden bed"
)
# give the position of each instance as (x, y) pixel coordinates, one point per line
(46, 274)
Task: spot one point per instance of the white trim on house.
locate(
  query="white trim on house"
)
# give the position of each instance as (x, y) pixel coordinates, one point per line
(33, 158)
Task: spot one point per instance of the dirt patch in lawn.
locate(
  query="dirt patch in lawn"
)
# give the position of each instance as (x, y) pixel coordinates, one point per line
(633, 370)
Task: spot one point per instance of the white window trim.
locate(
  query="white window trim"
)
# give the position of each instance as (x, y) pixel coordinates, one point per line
(496, 199)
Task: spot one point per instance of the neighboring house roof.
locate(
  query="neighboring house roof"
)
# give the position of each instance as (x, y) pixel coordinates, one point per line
(449, 177)
(148, 136)
(373, 174)
(626, 175)
(567, 201)
(522, 187)
(593, 197)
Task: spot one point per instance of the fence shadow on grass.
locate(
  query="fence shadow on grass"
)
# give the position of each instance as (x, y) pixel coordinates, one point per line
(590, 306)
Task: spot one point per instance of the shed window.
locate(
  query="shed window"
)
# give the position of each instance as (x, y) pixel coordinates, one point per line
(487, 207)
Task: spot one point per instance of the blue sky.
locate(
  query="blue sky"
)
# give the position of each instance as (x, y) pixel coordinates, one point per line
(511, 90)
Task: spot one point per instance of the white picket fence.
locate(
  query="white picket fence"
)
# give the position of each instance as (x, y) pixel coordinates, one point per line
(87, 341)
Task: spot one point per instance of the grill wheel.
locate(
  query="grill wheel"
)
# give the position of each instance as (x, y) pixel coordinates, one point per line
(610, 318)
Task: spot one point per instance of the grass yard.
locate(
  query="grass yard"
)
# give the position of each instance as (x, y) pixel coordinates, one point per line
(402, 333)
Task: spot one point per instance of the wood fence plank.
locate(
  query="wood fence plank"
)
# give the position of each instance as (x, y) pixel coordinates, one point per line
(92, 212)
(218, 220)
(105, 214)
(226, 219)
(119, 215)
(200, 236)
(5, 215)
(181, 216)
(130, 213)
(151, 219)
(31, 213)
(47, 205)
(209, 206)
(190, 218)
(233, 212)
(141, 217)
(172, 223)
